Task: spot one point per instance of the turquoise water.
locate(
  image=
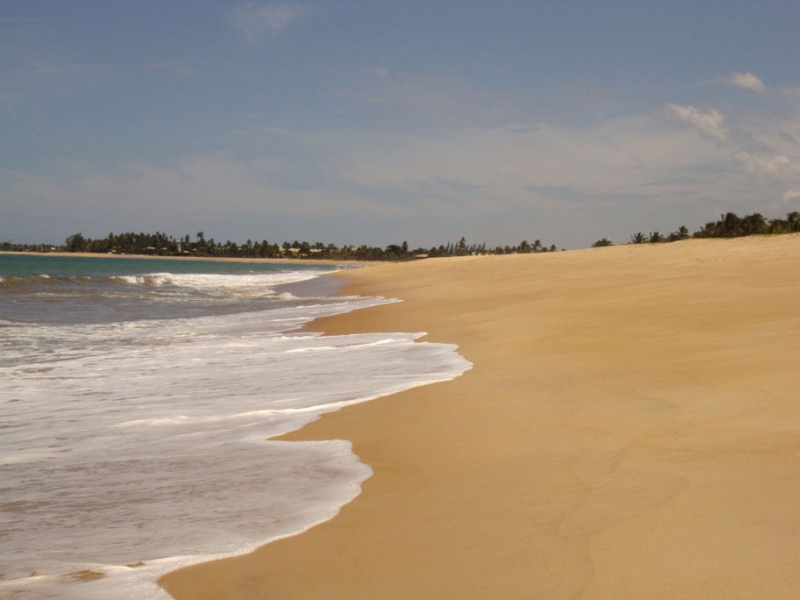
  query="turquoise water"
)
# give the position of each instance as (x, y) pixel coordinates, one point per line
(31, 265)
(59, 289)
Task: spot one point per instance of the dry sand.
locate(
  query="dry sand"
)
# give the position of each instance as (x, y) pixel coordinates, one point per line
(630, 430)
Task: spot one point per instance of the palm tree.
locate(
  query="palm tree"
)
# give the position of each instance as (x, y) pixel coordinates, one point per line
(754, 224)
(731, 225)
(793, 218)
(638, 238)
(76, 243)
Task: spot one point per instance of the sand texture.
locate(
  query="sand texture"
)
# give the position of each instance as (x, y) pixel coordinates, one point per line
(630, 430)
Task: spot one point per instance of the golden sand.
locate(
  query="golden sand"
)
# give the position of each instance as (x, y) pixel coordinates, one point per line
(630, 430)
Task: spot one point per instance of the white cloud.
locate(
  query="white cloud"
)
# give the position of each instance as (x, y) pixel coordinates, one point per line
(256, 21)
(772, 165)
(788, 201)
(758, 147)
(748, 81)
(790, 195)
(709, 123)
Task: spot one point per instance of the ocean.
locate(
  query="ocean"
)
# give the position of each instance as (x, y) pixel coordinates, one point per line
(137, 402)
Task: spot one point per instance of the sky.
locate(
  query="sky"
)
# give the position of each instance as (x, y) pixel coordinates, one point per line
(376, 121)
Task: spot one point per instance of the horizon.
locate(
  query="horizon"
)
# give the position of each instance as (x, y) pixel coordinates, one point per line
(353, 124)
(729, 225)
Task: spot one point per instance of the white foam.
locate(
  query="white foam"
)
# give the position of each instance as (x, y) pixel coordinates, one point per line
(246, 285)
(148, 441)
(155, 279)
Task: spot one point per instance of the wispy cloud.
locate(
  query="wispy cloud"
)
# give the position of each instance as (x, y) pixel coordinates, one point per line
(790, 195)
(458, 180)
(786, 202)
(432, 100)
(258, 20)
(788, 92)
(610, 179)
(758, 148)
(747, 81)
(59, 67)
(766, 164)
(709, 122)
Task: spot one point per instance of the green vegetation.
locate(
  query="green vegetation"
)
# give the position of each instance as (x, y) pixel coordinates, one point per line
(160, 244)
(729, 225)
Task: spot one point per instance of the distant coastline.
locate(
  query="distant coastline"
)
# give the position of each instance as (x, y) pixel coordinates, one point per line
(161, 245)
(187, 257)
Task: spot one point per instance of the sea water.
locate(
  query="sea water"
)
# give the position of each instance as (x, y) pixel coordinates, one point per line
(137, 402)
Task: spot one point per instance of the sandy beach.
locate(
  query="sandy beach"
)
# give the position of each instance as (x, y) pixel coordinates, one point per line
(630, 429)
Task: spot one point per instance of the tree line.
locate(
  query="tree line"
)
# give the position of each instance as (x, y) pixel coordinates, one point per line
(729, 225)
(161, 244)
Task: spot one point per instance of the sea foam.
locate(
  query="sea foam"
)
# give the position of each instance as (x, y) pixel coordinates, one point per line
(132, 448)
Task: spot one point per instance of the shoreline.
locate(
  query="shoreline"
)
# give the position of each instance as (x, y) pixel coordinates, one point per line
(629, 429)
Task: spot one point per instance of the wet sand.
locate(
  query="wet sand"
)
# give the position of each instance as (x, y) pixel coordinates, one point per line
(630, 430)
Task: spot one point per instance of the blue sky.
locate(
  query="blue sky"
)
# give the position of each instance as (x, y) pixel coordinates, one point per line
(376, 122)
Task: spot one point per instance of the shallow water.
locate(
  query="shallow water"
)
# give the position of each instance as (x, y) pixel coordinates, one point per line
(136, 407)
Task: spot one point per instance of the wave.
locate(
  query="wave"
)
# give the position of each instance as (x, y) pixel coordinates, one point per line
(156, 279)
(30, 282)
(223, 284)
(157, 295)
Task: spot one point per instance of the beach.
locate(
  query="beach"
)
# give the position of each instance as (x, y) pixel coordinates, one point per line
(630, 429)
(126, 386)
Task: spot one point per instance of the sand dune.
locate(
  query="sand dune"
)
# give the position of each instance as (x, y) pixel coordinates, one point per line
(630, 430)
